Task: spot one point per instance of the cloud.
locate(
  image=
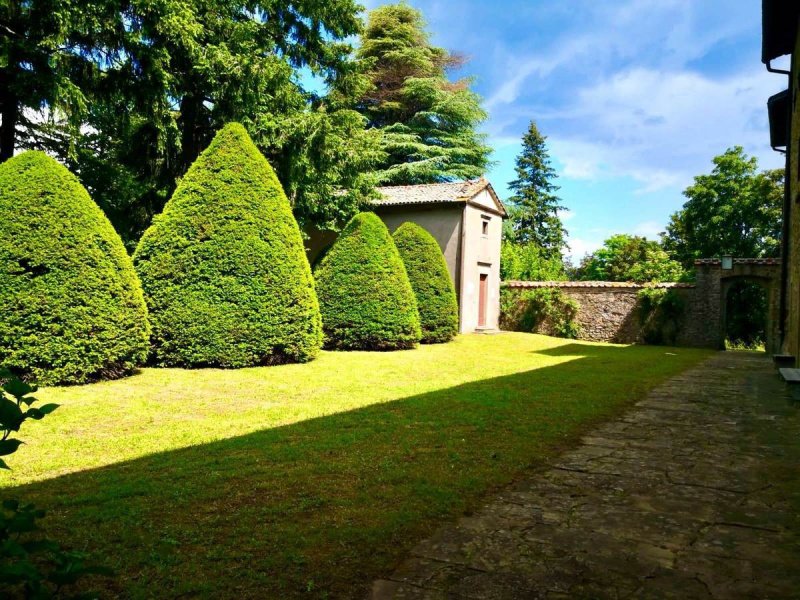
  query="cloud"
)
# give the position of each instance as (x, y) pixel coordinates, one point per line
(580, 247)
(648, 229)
(659, 128)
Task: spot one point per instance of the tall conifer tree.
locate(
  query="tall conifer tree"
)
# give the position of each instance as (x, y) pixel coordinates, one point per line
(535, 205)
(429, 123)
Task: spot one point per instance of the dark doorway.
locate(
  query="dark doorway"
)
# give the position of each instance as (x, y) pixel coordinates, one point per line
(746, 316)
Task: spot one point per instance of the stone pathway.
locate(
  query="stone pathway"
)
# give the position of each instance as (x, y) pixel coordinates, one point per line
(695, 493)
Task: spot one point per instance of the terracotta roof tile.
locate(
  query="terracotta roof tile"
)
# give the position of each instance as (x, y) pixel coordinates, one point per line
(739, 261)
(435, 193)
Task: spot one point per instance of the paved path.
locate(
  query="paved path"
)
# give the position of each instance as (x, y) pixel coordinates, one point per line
(695, 493)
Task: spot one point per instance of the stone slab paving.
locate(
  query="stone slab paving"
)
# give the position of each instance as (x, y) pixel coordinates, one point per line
(694, 493)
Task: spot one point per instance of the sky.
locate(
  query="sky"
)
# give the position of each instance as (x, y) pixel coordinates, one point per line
(635, 97)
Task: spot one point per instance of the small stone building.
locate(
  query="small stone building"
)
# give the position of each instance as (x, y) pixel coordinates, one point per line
(466, 218)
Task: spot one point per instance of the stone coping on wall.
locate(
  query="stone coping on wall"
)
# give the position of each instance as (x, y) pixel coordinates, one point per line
(739, 261)
(625, 285)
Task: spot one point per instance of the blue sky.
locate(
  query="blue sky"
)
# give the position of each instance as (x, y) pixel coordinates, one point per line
(636, 96)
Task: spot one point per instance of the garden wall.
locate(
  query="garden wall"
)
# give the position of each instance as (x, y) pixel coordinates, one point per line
(614, 312)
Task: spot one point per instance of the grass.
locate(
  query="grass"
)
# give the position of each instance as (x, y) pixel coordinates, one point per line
(309, 481)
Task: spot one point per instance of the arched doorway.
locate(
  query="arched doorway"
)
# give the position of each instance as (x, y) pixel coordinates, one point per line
(745, 316)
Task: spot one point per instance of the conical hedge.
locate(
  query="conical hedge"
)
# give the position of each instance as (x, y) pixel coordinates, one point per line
(223, 268)
(366, 299)
(71, 306)
(430, 280)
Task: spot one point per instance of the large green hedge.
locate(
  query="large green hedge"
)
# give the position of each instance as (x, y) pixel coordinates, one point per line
(223, 268)
(430, 280)
(366, 299)
(71, 306)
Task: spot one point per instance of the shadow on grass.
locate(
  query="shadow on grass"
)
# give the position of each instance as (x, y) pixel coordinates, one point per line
(322, 507)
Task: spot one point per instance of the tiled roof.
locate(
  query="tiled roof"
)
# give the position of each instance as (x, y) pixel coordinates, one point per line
(592, 284)
(434, 193)
(739, 261)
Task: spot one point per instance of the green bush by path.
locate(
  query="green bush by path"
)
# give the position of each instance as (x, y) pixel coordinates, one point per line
(430, 280)
(223, 268)
(366, 299)
(71, 306)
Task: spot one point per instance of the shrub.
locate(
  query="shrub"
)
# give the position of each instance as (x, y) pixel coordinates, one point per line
(224, 269)
(72, 306)
(366, 299)
(430, 280)
(660, 313)
(540, 310)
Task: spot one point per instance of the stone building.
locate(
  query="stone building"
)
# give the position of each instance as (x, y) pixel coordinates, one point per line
(466, 218)
(781, 37)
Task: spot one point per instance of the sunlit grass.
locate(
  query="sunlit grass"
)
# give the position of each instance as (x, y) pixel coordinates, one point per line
(310, 480)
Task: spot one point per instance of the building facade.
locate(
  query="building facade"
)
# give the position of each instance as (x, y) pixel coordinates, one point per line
(781, 37)
(466, 219)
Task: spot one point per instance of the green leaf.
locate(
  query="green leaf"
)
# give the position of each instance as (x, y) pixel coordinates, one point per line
(10, 415)
(9, 446)
(48, 408)
(18, 388)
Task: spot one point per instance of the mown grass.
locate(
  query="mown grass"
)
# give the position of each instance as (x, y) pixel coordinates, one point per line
(309, 481)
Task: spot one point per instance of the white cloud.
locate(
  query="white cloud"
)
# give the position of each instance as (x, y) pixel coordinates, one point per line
(580, 247)
(648, 229)
(661, 128)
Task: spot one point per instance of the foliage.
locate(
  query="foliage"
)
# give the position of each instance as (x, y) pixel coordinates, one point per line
(31, 565)
(660, 313)
(733, 210)
(539, 310)
(429, 123)
(746, 315)
(626, 257)
(223, 268)
(323, 468)
(527, 262)
(73, 309)
(366, 299)
(128, 93)
(534, 206)
(430, 280)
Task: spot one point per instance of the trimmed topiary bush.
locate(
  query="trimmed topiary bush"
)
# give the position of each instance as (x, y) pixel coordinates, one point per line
(71, 306)
(430, 280)
(224, 270)
(366, 299)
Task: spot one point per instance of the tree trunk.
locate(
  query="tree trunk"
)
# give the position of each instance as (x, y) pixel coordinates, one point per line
(9, 112)
(191, 107)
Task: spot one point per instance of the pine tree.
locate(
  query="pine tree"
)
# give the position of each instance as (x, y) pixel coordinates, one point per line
(535, 205)
(429, 123)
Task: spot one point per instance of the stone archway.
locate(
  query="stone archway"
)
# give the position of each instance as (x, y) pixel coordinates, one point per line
(714, 283)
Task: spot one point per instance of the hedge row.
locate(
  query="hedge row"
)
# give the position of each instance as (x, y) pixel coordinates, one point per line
(224, 276)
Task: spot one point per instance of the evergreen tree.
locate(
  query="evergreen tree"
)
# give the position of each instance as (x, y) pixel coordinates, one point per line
(223, 268)
(428, 122)
(430, 280)
(365, 296)
(535, 205)
(72, 306)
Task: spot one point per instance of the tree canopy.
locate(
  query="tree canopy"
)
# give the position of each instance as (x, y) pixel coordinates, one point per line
(734, 210)
(129, 92)
(534, 207)
(633, 258)
(429, 123)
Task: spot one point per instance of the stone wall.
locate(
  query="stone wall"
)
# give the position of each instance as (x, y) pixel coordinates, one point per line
(611, 311)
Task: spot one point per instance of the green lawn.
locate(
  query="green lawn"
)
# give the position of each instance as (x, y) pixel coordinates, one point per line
(309, 480)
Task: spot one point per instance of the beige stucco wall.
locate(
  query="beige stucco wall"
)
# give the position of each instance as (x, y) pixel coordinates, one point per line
(481, 255)
(442, 222)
